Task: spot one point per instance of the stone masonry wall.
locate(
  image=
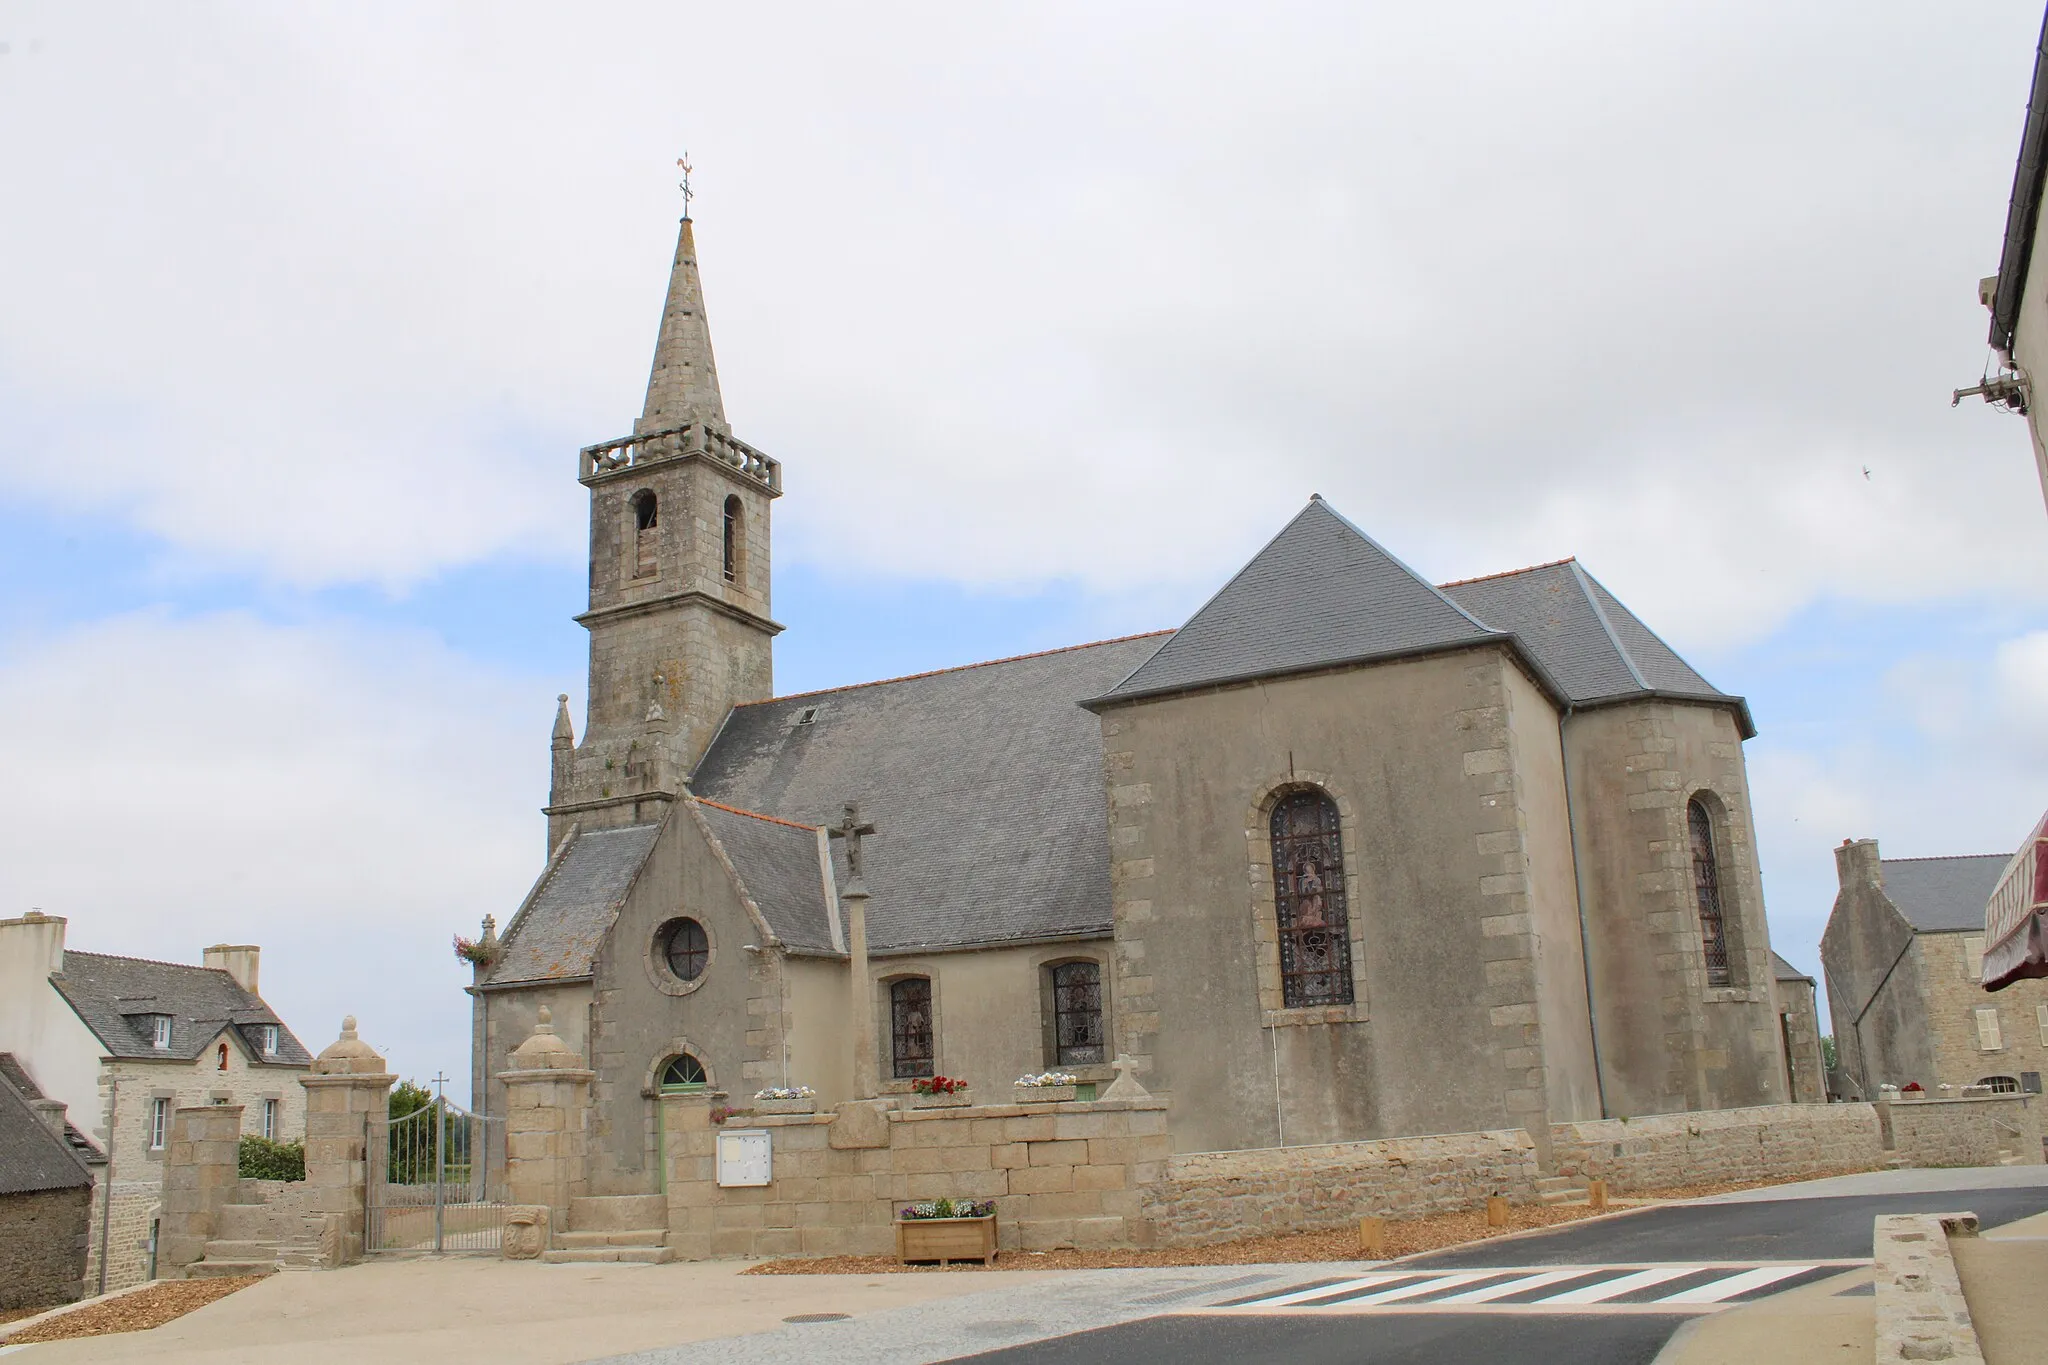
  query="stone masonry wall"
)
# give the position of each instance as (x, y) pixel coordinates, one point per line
(1061, 1175)
(1950, 966)
(1217, 1196)
(42, 1247)
(137, 1205)
(1963, 1132)
(1773, 1141)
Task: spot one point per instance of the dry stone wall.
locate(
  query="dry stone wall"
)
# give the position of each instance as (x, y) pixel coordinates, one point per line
(1963, 1132)
(1772, 1141)
(1218, 1196)
(42, 1247)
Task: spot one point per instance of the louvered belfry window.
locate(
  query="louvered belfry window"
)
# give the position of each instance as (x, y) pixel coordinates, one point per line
(910, 1026)
(1308, 894)
(1706, 885)
(1077, 1014)
(646, 535)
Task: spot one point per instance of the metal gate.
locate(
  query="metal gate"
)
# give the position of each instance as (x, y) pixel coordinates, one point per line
(431, 1186)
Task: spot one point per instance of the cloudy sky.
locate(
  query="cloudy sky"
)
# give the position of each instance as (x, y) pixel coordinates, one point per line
(1053, 314)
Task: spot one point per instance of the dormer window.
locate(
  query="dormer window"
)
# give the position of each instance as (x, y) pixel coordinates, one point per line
(267, 1035)
(160, 1030)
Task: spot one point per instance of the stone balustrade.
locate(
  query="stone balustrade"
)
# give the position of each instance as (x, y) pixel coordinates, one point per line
(677, 442)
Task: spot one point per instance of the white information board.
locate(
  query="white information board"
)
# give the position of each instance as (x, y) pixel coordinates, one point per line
(745, 1157)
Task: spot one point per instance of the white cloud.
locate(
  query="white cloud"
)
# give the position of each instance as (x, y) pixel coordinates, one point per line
(347, 799)
(1063, 293)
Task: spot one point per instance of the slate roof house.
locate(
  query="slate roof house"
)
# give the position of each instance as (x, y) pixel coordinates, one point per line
(1348, 854)
(47, 1172)
(1903, 956)
(120, 1042)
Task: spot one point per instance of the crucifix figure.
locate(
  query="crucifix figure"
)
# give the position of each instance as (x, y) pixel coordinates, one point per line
(851, 830)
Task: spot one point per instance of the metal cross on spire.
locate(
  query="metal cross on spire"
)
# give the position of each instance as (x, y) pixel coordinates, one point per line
(852, 830)
(683, 161)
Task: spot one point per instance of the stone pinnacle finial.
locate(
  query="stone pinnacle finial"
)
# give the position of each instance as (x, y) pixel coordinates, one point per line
(544, 1022)
(348, 1026)
(565, 732)
(348, 1054)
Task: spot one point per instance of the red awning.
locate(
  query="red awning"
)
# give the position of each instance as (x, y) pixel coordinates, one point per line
(2016, 917)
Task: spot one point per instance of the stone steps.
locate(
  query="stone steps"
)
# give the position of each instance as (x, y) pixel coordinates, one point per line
(618, 1212)
(204, 1270)
(636, 1255)
(636, 1237)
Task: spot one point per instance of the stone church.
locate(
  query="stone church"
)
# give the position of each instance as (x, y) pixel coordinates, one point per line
(1347, 855)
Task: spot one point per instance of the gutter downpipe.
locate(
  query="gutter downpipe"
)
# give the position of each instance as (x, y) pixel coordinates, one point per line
(1571, 823)
(107, 1203)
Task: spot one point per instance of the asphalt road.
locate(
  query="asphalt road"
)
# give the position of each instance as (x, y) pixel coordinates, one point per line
(1812, 1229)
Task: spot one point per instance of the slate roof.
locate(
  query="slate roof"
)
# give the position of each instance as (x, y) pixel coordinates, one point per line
(984, 784)
(1781, 970)
(557, 932)
(779, 865)
(13, 1073)
(1943, 895)
(32, 1157)
(1320, 593)
(112, 993)
(1593, 647)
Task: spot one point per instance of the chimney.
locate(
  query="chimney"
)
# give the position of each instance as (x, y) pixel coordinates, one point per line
(237, 960)
(51, 1112)
(1856, 864)
(36, 941)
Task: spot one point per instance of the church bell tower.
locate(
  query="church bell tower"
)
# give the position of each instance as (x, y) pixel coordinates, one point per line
(679, 574)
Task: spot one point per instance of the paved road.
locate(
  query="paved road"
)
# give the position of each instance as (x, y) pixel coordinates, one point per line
(1606, 1293)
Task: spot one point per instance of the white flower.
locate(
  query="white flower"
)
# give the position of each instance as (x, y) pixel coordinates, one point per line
(1046, 1078)
(773, 1092)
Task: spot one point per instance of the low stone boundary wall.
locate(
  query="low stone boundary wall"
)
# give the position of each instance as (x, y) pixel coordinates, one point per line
(1061, 1175)
(1767, 1142)
(1218, 1196)
(1977, 1131)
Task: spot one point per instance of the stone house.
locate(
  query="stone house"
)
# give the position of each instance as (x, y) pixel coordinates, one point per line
(1799, 1025)
(1902, 954)
(122, 1042)
(47, 1174)
(1347, 855)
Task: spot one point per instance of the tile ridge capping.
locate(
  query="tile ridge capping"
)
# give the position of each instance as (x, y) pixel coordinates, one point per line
(954, 668)
(1510, 573)
(752, 814)
(1944, 858)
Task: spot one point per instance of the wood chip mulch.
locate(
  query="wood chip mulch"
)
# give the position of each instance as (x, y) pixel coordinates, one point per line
(137, 1312)
(1404, 1238)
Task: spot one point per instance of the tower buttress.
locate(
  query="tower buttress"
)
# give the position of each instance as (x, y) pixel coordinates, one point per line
(679, 580)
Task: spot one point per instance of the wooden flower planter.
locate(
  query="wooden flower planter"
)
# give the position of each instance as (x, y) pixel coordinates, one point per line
(1044, 1094)
(946, 1240)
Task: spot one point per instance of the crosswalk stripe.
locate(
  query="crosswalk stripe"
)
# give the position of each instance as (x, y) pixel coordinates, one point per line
(1626, 1284)
(1714, 1291)
(1318, 1291)
(1405, 1291)
(1489, 1293)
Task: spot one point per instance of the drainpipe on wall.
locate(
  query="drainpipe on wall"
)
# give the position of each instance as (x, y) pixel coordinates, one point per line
(1571, 823)
(107, 1204)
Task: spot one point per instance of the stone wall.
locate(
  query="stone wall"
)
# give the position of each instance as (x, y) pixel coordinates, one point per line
(1773, 1141)
(43, 1247)
(1060, 1175)
(199, 1176)
(129, 1254)
(1963, 1132)
(1217, 1196)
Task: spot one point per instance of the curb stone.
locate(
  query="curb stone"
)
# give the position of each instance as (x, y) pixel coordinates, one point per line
(1921, 1313)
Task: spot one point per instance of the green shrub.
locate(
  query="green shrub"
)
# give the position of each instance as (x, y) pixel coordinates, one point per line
(262, 1159)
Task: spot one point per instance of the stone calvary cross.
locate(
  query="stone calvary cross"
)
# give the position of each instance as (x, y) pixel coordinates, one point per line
(852, 830)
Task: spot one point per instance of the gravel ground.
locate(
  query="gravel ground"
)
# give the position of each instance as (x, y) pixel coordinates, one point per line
(137, 1312)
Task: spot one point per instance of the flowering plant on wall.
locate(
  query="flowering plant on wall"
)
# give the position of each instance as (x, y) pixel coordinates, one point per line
(1914, 1087)
(938, 1085)
(786, 1092)
(950, 1208)
(474, 951)
(1045, 1078)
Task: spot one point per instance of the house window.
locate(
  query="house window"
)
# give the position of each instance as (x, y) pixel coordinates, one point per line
(269, 1036)
(687, 949)
(1973, 957)
(159, 1123)
(1309, 899)
(683, 1075)
(222, 1065)
(1077, 1014)
(2001, 1085)
(2041, 1021)
(270, 1119)
(1706, 886)
(735, 537)
(1989, 1039)
(910, 1026)
(159, 1030)
(646, 534)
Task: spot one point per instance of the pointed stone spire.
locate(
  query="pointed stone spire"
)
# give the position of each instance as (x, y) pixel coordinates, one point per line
(565, 733)
(561, 753)
(684, 384)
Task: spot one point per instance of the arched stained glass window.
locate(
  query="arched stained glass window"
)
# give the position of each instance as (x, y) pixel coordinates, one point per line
(1077, 1014)
(910, 1026)
(684, 1073)
(1308, 895)
(1706, 885)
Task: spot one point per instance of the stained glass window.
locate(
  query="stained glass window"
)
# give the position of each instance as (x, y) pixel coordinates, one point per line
(1706, 885)
(1077, 1014)
(910, 1026)
(1308, 894)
